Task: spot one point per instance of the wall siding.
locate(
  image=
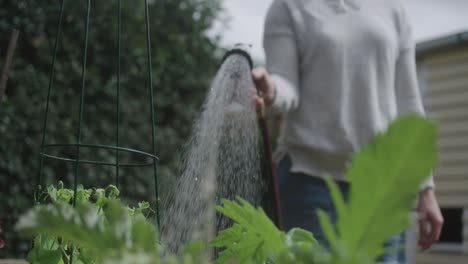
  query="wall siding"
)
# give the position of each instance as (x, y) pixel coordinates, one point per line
(446, 102)
(440, 258)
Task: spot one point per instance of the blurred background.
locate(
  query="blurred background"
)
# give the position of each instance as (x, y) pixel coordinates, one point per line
(430, 18)
(189, 38)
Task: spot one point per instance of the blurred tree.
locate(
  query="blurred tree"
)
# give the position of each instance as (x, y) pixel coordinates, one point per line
(184, 60)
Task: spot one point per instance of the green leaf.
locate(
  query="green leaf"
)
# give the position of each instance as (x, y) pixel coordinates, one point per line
(248, 250)
(144, 235)
(112, 192)
(253, 239)
(85, 256)
(194, 248)
(52, 193)
(302, 246)
(143, 205)
(118, 220)
(228, 236)
(82, 195)
(100, 197)
(337, 197)
(328, 228)
(44, 256)
(64, 195)
(385, 177)
(299, 235)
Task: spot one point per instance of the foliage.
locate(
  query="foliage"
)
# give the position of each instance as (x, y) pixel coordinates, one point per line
(184, 59)
(398, 161)
(117, 235)
(385, 177)
(97, 212)
(394, 164)
(255, 239)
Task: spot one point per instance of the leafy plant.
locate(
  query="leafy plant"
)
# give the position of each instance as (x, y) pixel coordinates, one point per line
(389, 170)
(99, 230)
(255, 239)
(117, 235)
(385, 177)
(184, 60)
(96, 211)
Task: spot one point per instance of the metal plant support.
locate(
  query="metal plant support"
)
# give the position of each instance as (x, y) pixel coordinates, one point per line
(45, 150)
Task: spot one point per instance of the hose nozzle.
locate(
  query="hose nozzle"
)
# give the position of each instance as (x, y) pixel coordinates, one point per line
(240, 49)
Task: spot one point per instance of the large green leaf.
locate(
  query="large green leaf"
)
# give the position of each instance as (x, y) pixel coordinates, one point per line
(385, 177)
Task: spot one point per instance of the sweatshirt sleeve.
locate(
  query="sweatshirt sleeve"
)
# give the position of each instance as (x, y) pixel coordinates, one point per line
(282, 56)
(408, 95)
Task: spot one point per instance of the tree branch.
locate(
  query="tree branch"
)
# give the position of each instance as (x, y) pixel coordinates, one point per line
(7, 64)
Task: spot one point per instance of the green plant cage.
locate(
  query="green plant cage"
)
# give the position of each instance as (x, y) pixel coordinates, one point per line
(47, 150)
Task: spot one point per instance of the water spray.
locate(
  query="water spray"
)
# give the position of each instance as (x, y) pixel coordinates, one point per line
(268, 170)
(228, 155)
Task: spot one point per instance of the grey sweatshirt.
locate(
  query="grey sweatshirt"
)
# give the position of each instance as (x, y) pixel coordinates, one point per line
(344, 70)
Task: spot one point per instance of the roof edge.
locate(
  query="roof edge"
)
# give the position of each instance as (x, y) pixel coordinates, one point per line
(439, 43)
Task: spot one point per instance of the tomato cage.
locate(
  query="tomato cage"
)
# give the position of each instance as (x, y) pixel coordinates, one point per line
(56, 151)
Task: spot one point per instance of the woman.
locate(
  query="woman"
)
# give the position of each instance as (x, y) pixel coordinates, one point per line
(339, 71)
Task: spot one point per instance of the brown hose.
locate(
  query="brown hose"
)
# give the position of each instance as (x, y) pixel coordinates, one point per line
(269, 168)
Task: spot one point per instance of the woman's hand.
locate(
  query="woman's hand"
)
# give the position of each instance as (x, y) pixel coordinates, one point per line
(430, 219)
(265, 86)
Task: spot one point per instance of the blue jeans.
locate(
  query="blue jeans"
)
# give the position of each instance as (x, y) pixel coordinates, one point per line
(301, 195)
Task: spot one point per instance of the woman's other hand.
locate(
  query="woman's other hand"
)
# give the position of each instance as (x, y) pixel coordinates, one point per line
(430, 219)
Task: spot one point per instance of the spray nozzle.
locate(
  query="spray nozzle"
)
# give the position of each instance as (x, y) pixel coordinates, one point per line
(240, 49)
(239, 77)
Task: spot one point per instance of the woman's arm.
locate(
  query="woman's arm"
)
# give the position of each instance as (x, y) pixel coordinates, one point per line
(408, 95)
(279, 83)
(409, 100)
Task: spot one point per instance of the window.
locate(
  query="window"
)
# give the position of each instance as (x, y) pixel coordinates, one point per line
(451, 237)
(452, 231)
